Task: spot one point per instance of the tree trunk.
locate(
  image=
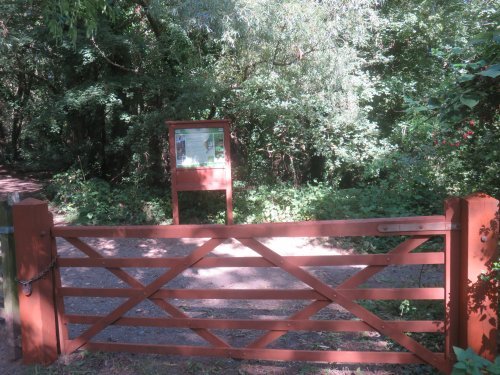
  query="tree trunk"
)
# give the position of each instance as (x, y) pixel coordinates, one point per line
(22, 97)
(16, 133)
(3, 135)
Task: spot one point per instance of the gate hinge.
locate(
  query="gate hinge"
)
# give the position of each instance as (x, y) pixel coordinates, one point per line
(418, 227)
(6, 230)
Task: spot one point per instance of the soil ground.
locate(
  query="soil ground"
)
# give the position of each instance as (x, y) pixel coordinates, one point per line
(25, 184)
(237, 278)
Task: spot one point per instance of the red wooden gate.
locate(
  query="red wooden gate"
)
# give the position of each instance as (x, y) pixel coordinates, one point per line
(469, 233)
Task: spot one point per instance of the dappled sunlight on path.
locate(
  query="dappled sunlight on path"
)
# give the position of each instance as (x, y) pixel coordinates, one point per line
(11, 182)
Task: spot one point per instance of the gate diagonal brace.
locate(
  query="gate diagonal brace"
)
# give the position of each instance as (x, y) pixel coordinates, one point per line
(134, 283)
(304, 313)
(352, 282)
(361, 276)
(337, 296)
(148, 291)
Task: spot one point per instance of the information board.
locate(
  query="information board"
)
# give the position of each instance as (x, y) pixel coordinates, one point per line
(202, 147)
(200, 160)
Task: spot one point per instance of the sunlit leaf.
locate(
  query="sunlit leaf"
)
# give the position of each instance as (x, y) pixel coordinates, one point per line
(469, 100)
(493, 71)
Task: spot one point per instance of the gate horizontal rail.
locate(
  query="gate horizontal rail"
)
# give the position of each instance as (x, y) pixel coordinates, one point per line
(281, 325)
(326, 228)
(317, 260)
(268, 354)
(274, 294)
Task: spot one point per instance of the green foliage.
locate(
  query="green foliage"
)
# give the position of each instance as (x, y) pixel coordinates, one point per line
(66, 15)
(307, 85)
(282, 202)
(202, 207)
(289, 75)
(285, 203)
(496, 269)
(468, 362)
(95, 201)
(298, 88)
(463, 105)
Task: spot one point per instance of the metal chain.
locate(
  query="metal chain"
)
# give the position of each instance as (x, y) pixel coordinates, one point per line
(26, 284)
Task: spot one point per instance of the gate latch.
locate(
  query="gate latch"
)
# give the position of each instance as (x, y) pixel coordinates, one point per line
(26, 284)
(418, 227)
(6, 230)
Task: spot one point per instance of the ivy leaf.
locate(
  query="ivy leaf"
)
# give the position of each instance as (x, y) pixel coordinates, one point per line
(466, 77)
(460, 353)
(493, 71)
(494, 368)
(469, 100)
(478, 64)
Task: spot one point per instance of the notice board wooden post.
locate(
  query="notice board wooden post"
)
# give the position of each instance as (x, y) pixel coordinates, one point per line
(200, 159)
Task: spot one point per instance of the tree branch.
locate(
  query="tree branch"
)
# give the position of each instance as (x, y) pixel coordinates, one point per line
(135, 71)
(155, 27)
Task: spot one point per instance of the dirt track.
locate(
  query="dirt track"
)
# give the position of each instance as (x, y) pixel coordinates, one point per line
(24, 184)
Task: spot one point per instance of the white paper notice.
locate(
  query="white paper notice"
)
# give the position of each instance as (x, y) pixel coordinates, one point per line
(201, 147)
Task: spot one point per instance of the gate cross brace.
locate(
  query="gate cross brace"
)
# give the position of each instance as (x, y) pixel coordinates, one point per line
(332, 294)
(361, 276)
(148, 291)
(352, 282)
(336, 295)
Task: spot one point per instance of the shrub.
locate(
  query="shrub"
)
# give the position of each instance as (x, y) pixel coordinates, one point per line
(468, 362)
(95, 201)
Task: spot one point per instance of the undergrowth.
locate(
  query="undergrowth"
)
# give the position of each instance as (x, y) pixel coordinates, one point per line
(94, 201)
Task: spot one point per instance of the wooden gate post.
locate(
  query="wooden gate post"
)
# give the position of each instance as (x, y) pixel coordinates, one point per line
(478, 290)
(32, 225)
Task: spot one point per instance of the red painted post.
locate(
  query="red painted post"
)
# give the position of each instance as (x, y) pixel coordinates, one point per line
(32, 225)
(452, 276)
(173, 177)
(229, 179)
(478, 293)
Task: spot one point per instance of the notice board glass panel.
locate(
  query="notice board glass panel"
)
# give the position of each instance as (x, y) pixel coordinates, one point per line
(199, 147)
